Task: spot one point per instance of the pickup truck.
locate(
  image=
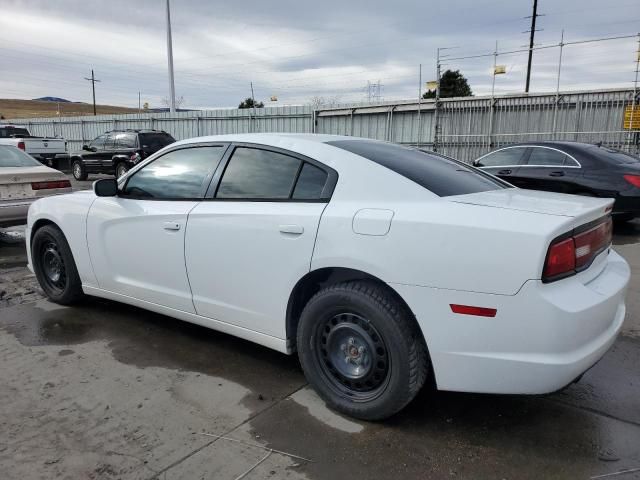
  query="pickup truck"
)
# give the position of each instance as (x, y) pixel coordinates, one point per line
(44, 149)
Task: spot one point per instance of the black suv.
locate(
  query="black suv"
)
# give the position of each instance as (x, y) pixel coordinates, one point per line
(117, 151)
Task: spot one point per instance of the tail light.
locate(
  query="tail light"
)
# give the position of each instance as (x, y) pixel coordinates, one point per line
(575, 251)
(50, 185)
(22, 146)
(633, 180)
(135, 158)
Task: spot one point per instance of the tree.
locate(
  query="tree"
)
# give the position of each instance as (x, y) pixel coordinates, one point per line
(179, 102)
(318, 102)
(452, 84)
(250, 103)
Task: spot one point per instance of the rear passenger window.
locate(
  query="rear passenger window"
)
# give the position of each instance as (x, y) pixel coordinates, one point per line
(547, 157)
(126, 140)
(310, 183)
(258, 174)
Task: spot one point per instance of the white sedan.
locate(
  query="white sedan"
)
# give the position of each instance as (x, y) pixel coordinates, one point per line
(382, 266)
(23, 180)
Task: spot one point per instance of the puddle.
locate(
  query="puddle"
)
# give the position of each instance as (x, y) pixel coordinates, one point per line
(145, 339)
(318, 409)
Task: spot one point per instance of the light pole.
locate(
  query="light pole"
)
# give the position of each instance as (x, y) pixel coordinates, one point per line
(172, 89)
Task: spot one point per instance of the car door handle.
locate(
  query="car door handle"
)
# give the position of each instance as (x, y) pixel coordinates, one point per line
(556, 174)
(504, 172)
(171, 226)
(292, 229)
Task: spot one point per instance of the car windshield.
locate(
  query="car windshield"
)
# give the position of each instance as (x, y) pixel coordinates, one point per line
(13, 157)
(441, 175)
(155, 140)
(617, 156)
(8, 132)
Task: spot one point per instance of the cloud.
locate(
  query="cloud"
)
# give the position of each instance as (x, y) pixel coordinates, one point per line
(296, 50)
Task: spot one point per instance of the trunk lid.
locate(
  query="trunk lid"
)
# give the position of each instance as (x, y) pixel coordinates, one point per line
(576, 208)
(15, 182)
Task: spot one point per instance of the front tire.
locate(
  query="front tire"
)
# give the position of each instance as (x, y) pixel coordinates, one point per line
(361, 350)
(79, 170)
(54, 266)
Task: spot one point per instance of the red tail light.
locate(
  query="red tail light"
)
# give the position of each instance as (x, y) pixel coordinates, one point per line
(575, 252)
(633, 180)
(50, 185)
(21, 146)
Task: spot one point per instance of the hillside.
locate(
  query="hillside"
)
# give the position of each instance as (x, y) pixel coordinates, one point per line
(11, 108)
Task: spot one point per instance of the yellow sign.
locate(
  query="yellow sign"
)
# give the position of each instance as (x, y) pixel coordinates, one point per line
(432, 85)
(629, 118)
(500, 69)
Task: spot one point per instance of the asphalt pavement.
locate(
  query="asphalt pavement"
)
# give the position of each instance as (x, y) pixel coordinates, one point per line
(104, 390)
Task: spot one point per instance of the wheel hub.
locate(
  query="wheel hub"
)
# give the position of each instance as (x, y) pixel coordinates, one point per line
(53, 266)
(353, 354)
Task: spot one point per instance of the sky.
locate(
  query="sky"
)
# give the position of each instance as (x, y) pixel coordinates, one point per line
(297, 50)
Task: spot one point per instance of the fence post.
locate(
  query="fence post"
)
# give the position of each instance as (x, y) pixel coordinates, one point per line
(198, 125)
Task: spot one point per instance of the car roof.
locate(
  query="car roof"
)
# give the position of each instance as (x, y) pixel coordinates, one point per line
(553, 143)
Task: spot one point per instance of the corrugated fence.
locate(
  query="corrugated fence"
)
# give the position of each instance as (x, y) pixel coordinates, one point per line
(467, 127)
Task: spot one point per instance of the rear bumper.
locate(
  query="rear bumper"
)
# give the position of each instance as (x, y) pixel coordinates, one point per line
(14, 212)
(540, 340)
(627, 205)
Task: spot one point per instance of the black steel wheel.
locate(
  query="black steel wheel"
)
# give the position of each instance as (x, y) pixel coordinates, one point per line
(54, 266)
(361, 349)
(353, 356)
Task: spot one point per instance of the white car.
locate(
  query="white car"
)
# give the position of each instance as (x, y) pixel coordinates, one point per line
(22, 181)
(381, 265)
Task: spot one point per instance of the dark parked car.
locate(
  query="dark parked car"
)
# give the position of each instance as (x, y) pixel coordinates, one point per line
(571, 167)
(117, 151)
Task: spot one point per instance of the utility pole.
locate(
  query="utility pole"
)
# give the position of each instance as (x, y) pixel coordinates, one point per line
(531, 37)
(139, 105)
(172, 88)
(436, 116)
(93, 81)
(419, 103)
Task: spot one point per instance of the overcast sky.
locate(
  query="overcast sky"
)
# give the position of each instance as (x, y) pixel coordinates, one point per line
(296, 49)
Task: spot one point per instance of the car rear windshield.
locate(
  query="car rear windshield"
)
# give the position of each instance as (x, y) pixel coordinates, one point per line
(439, 174)
(12, 157)
(616, 156)
(155, 141)
(8, 132)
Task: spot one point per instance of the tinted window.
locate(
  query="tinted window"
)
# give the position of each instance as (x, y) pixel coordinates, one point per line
(548, 156)
(8, 132)
(310, 183)
(155, 141)
(13, 157)
(615, 156)
(110, 142)
(126, 140)
(98, 142)
(443, 176)
(178, 174)
(254, 173)
(505, 157)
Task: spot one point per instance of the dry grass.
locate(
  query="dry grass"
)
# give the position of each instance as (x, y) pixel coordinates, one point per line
(10, 108)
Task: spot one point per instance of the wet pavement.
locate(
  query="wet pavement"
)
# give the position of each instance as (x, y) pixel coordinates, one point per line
(104, 390)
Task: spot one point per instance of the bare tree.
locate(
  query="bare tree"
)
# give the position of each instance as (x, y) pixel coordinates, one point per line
(179, 102)
(318, 102)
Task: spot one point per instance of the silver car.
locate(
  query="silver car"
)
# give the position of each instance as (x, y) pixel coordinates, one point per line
(22, 181)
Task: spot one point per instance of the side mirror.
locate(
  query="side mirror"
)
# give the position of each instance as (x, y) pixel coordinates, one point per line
(86, 148)
(105, 187)
(476, 163)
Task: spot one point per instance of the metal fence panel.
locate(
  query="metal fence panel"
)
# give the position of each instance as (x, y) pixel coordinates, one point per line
(469, 127)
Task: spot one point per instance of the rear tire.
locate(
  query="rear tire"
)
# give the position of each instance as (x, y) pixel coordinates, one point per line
(361, 350)
(79, 170)
(54, 266)
(121, 169)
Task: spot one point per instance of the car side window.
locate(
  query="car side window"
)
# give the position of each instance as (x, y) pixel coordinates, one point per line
(310, 184)
(253, 173)
(511, 156)
(179, 174)
(547, 157)
(98, 143)
(126, 140)
(110, 142)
